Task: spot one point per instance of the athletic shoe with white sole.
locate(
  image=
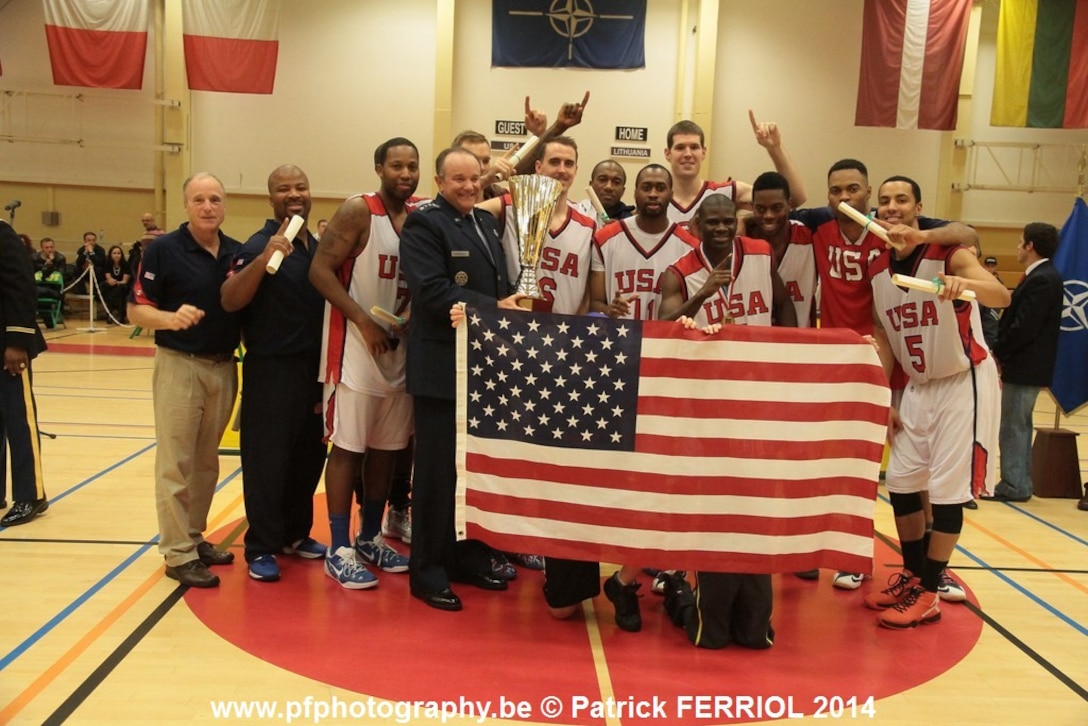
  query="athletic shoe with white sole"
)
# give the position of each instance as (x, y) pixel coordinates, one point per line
(847, 580)
(917, 607)
(950, 590)
(398, 524)
(343, 567)
(376, 552)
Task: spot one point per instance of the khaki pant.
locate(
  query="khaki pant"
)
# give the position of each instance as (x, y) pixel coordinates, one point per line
(193, 399)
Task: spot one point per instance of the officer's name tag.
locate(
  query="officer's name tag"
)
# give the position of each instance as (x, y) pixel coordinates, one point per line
(459, 253)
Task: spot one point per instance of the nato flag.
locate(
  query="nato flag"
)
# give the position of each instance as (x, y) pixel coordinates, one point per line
(560, 33)
(1070, 382)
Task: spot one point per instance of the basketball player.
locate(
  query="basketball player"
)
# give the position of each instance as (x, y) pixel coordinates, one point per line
(944, 430)
(630, 254)
(726, 278)
(686, 151)
(791, 242)
(609, 182)
(367, 411)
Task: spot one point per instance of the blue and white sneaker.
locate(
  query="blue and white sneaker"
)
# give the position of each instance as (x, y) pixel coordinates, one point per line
(376, 552)
(264, 568)
(343, 567)
(308, 549)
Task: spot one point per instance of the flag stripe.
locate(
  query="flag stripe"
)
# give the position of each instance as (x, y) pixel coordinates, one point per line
(1076, 98)
(946, 40)
(238, 19)
(735, 370)
(912, 66)
(881, 59)
(752, 481)
(723, 429)
(232, 65)
(1012, 75)
(751, 449)
(1050, 63)
(777, 411)
(97, 43)
(114, 16)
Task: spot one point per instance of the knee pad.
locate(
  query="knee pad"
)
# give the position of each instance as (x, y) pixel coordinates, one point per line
(905, 504)
(948, 518)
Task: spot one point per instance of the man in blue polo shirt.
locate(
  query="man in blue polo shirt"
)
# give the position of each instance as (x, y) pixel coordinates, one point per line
(195, 380)
(283, 453)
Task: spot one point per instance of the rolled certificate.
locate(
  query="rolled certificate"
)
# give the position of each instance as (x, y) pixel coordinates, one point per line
(596, 202)
(917, 283)
(382, 314)
(867, 223)
(528, 146)
(293, 227)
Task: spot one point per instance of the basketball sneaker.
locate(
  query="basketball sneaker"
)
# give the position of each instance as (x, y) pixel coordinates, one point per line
(917, 607)
(659, 584)
(376, 552)
(847, 580)
(949, 589)
(625, 600)
(343, 567)
(398, 524)
(899, 584)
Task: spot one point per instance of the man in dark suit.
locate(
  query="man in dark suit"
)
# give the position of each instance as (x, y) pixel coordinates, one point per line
(1027, 345)
(450, 253)
(21, 341)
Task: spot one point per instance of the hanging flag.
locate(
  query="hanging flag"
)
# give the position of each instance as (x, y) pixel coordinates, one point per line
(589, 438)
(578, 33)
(97, 43)
(1070, 382)
(911, 59)
(1041, 77)
(231, 45)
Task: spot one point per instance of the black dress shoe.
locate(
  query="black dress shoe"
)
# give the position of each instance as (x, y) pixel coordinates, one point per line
(484, 582)
(23, 512)
(209, 555)
(970, 504)
(998, 497)
(3, 503)
(1082, 505)
(444, 599)
(194, 574)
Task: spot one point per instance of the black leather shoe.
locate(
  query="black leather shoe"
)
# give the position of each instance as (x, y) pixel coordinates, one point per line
(484, 582)
(23, 512)
(3, 503)
(970, 504)
(209, 555)
(1082, 505)
(998, 497)
(444, 599)
(194, 574)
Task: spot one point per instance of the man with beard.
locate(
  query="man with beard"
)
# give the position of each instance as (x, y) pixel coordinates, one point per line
(368, 414)
(282, 450)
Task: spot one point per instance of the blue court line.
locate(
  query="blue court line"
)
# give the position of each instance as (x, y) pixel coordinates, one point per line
(1015, 585)
(60, 617)
(1053, 526)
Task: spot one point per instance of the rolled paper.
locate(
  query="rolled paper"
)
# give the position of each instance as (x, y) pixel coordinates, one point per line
(867, 223)
(293, 227)
(522, 152)
(596, 202)
(917, 283)
(382, 314)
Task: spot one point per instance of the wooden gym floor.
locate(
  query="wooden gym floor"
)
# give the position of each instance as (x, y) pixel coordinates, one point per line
(92, 632)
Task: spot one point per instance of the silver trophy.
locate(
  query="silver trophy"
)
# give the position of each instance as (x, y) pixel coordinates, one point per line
(534, 198)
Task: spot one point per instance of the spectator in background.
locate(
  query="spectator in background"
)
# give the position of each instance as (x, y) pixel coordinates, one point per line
(1027, 348)
(91, 257)
(151, 229)
(991, 317)
(321, 225)
(29, 244)
(116, 283)
(49, 257)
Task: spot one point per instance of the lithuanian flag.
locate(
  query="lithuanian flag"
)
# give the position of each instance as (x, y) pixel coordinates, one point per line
(1042, 64)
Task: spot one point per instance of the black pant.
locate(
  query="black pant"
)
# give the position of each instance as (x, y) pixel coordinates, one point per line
(19, 426)
(283, 454)
(436, 554)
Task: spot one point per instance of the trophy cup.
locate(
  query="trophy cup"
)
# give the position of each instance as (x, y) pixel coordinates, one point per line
(534, 198)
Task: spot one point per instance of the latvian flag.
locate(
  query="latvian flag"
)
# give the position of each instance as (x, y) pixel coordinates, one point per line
(911, 60)
(754, 450)
(231, 45)
(97, 43)
(1041, 80)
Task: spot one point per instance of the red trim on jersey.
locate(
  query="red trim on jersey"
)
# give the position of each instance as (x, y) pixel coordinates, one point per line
(338, 328)
(707, 186)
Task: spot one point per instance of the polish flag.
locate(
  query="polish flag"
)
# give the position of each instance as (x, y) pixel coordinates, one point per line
(231, 45)
(97, 43)
(911, 60)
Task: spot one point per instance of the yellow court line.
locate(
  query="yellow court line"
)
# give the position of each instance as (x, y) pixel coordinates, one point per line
(62, 663)
(1028, 556)
(600, 663)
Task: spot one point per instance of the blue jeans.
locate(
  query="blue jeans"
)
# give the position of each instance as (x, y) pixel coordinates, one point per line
(1017, 405)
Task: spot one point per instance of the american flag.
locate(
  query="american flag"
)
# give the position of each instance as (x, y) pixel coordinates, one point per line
(754, 450)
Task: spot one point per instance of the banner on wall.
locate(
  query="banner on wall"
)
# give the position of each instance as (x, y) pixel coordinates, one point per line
(624, 441)
(607, 34)
(1070, 382)
(231, 45)
(97, 43)
(1041, 76)
(911, 60)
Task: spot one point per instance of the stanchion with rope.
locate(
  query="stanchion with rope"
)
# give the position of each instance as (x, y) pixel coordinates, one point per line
(95, 290)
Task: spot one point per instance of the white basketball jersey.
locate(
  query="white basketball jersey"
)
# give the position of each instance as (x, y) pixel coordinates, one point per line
(633, 261)
(930, 338)
(373, 277)
(683, 215)
(751, 294)
(798, 272)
